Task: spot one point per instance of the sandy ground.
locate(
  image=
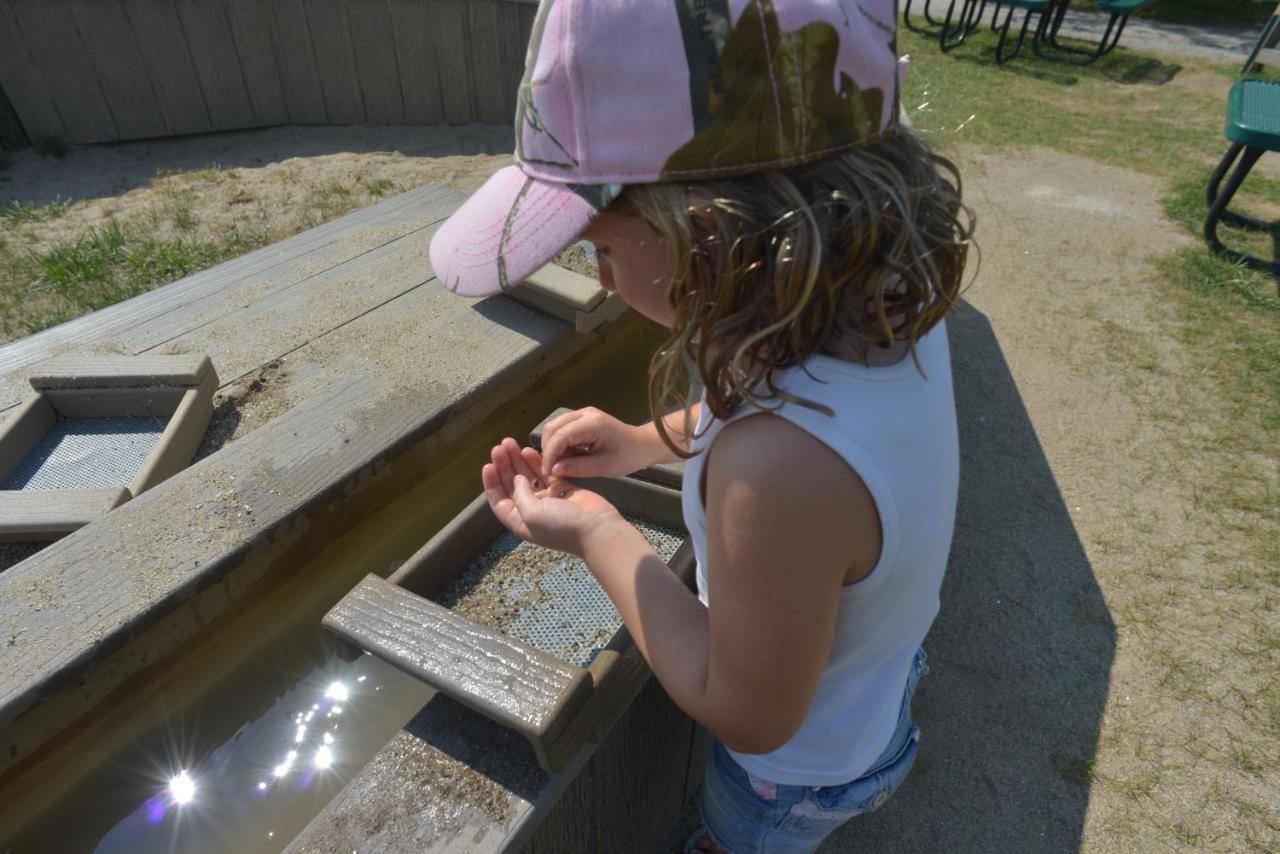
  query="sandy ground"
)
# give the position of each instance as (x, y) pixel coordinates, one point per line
(1079, 651)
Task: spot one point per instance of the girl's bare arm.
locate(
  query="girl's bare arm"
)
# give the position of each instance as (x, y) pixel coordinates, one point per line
(784, 516)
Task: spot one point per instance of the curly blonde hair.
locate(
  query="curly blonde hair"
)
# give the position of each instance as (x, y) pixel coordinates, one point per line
(861, 250)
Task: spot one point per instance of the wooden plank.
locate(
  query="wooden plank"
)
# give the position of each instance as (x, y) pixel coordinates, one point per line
(163, 47)
(488, 94)
(251, 30)
(451, 38)
(411, 25)
(113, 50)
(122, 371)
(213, 51)
(336, 61)
(244, 340)
(508, 681)
(511, 51)
(47, 514)
(24, 83)
(153, 401)
(574, 289)
(376, 62)
(23, 430)
(296, 59)
(181, 437)
(160, 315)
(53, 42)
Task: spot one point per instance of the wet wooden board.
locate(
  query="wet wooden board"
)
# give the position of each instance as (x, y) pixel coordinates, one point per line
(506, 680)
(156, 317)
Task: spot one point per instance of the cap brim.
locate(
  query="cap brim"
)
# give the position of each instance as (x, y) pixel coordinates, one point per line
(509, 228)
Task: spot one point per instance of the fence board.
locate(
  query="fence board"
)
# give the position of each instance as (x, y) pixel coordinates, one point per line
(453, 58)
(511, 50)
(113, 51)
(163, 47)
(213, 51)
(486, 62)
(53, 42)
(251, 31)
(296, 59)
(336, 61)
(376, 61)
(411, 25)
(24, 82)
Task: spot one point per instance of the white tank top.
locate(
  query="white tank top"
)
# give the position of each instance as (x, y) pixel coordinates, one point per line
(897, 430)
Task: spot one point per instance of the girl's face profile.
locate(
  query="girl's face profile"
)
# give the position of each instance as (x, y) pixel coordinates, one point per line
(634, 262)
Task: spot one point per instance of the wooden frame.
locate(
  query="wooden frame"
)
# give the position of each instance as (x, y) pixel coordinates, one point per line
(178, 387)
(571, 297)
(558, 707)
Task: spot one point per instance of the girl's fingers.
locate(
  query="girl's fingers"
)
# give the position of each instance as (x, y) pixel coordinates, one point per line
(526, 502)
(503, 464)
(549, 429)
(518, 463)
(553, 451)
(533, 460)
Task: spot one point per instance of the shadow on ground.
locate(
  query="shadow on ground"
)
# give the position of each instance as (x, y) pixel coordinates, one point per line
(1020, 655)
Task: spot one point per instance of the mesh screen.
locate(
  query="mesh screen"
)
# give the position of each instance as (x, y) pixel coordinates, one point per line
(561, 610)
(88, 453)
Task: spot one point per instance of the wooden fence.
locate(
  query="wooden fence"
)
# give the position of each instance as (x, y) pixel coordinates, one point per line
(105, 70)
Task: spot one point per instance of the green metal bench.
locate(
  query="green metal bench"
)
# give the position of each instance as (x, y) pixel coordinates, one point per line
(1043, 8)
(1046, 37)
(1253, 128)
(970, 19)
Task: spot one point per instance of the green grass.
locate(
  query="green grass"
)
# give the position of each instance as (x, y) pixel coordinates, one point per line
(100, 268)
(1202, 11)
(21, 212)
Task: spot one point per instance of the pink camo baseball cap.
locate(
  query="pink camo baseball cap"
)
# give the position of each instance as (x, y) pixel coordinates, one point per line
(619, 92)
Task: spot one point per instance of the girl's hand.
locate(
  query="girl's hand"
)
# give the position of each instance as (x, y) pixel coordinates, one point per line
(591, 443)
(550, 512)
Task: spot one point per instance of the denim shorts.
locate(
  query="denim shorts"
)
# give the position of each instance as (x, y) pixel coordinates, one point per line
(746, 815)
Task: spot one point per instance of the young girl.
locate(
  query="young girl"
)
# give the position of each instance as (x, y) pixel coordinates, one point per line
(741, 170)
